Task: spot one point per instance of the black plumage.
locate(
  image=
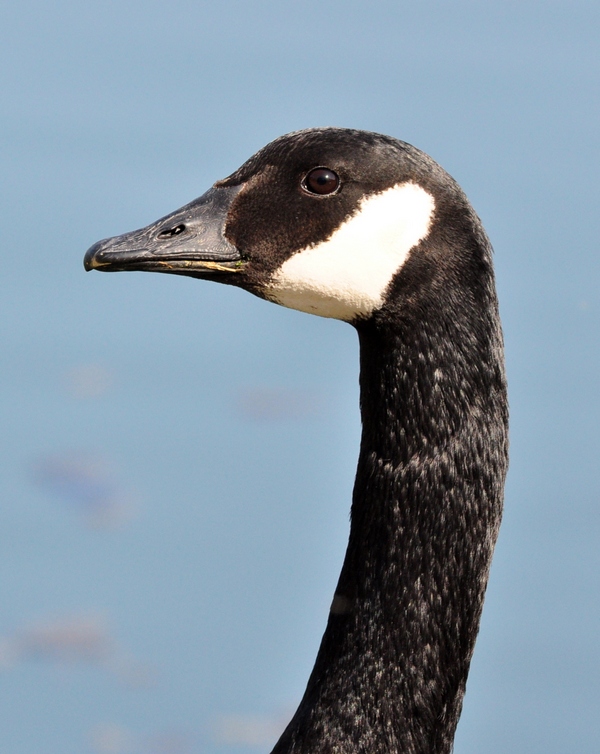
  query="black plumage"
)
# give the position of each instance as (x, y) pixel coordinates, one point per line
(391, 670)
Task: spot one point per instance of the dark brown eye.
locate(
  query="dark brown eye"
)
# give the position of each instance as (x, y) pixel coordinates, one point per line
(321, 181)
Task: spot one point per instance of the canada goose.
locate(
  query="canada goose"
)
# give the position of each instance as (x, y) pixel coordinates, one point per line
(370, 230)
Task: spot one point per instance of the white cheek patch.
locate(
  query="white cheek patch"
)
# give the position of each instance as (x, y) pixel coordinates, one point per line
(346, 276)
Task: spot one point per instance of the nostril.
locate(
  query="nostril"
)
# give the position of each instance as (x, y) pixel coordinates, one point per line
(170, 232)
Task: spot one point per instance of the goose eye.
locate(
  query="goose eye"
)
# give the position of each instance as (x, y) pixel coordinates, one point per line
(321, 181)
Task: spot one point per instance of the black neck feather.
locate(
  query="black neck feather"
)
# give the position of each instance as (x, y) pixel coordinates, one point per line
(391, 670)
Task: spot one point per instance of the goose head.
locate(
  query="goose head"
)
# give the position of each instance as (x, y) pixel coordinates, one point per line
(322, 220)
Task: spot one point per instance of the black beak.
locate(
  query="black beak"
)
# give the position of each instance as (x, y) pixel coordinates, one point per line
(190, 241)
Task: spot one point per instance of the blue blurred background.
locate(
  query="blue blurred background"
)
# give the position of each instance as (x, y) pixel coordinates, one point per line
(177, 457)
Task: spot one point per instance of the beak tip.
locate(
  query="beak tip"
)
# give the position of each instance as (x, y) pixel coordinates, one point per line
(89, 261)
